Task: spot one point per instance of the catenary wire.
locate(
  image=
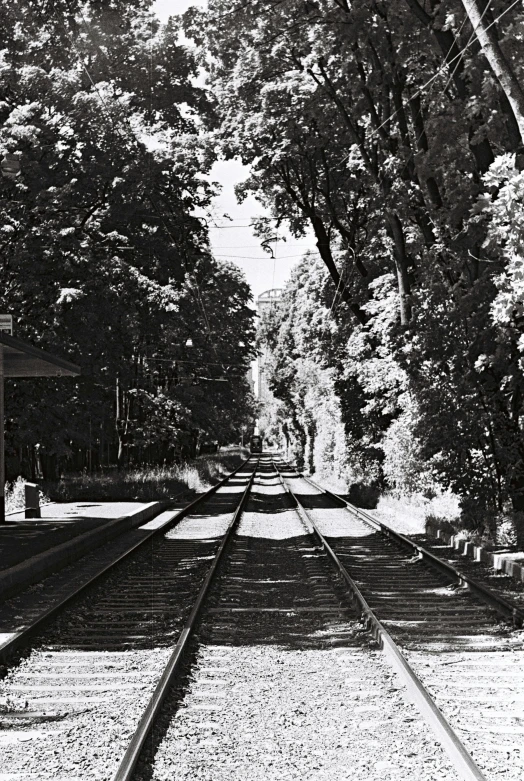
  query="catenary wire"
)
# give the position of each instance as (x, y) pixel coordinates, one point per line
(470, 40)
(435, 75)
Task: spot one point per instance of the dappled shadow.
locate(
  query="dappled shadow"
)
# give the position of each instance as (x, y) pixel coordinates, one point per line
(317, 501)
(275, 587)
(145, 602)
(280, 592)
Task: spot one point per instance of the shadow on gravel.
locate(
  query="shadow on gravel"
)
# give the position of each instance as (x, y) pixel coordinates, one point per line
(143, 605)
(277, 587)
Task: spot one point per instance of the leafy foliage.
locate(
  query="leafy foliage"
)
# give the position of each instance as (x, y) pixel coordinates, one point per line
(103, 257)
(381, 128)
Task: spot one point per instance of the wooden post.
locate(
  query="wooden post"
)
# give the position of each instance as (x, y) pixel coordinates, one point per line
(2, 454)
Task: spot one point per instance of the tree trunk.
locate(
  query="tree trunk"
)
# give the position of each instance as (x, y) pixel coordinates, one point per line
(497, 60)
(401, 263)
(324, 249)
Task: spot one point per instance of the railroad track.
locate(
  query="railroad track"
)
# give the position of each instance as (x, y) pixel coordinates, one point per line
(27, 612)
(277, 595)
(447, 627)
(94, 663)
(232, 644)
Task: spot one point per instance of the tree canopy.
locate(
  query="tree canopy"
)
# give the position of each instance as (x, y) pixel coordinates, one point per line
(389, 130)
(104, 257)
(392, 132)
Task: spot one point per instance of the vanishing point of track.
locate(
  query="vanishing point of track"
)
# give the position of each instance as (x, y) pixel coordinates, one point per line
(206, 582)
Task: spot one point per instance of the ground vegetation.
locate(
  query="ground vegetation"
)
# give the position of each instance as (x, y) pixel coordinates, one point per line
(136, 483)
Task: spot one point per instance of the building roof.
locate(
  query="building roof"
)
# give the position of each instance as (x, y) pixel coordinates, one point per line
(23, 360)
(269, 295)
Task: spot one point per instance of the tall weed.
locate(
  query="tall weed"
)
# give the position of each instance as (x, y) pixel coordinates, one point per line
(15, 495)
(148, 483)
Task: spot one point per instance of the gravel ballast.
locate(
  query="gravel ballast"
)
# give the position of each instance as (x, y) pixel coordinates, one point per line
(284, 684)
(69, 709)
(473, 667)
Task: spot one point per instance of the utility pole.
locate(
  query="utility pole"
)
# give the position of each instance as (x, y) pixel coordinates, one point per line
(501, 67)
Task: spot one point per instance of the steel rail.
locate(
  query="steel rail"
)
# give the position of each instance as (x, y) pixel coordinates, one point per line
(21, 637)
(499, 603)
(130, 759)
(457, 752)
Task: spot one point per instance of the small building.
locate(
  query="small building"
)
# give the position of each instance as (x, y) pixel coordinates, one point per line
(266, 303)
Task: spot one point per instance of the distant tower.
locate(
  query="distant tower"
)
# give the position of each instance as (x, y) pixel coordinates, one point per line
(250, 380)
(265, 303)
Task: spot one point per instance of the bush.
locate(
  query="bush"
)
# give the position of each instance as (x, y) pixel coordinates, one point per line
(435, 524)
(365, 496)
(15, 495)
(153, 483)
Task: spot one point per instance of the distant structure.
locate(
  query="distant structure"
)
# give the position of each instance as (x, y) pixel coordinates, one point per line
(250, 380)
(265, 303)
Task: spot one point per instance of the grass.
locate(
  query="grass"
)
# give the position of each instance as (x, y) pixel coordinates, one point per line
(409, 514)
(150, 483)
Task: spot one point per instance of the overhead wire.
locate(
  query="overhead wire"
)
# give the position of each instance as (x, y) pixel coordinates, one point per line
(448, 82)
(459, 31)
(473, 34)
(262, 257)
(444, 65)
(195, 363)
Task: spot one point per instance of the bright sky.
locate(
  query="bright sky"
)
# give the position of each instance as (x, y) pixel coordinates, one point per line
(234, 240)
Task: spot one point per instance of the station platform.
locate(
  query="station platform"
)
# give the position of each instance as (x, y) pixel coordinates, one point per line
(32, 548)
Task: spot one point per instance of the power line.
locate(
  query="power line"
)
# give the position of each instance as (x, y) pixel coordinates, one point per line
(265, 257)
(444, 65)
(473, 33)
(196, 363)
(248, 246)
(253, 217)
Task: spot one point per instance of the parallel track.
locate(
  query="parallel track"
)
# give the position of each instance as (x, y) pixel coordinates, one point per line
(118, 650)
(433, 623)
(504, 607)
(236, 617)
(38, 618)
(113, 650)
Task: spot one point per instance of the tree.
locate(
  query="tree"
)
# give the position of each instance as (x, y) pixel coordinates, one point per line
(483, 26)
(378, 126)
(101, 247)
